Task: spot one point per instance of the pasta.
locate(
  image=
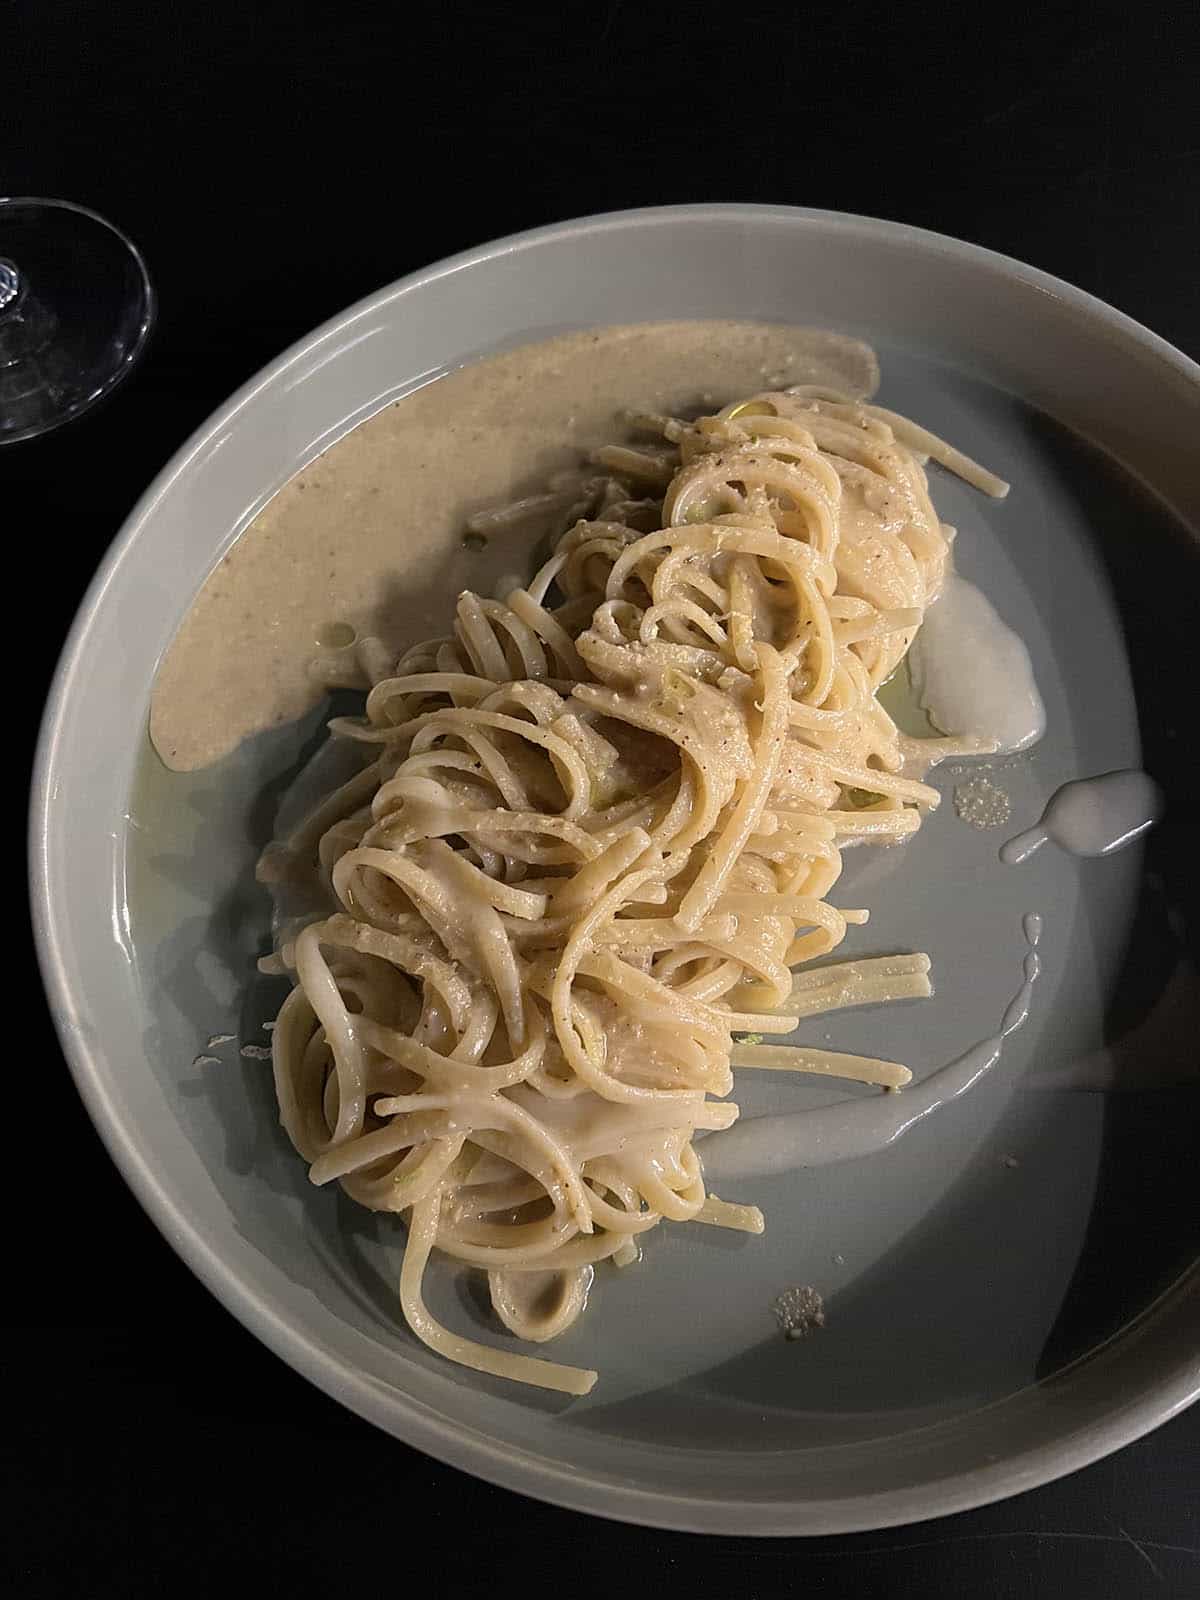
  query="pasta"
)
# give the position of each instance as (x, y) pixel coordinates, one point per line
(595, 832)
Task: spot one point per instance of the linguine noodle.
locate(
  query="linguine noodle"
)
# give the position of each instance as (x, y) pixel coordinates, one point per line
(595, 834)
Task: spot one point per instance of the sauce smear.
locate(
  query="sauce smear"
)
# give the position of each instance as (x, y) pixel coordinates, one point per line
(369, 537)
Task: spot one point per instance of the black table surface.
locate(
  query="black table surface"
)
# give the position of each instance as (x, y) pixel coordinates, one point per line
(275, 162)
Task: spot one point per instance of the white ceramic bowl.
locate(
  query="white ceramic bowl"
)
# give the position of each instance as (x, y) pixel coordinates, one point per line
(708, 1422)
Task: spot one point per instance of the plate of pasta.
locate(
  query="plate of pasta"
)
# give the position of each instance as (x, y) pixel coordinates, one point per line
(634, 923)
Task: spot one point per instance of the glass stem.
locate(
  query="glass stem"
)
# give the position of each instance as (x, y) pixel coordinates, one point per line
(25, 324)
(11, 286)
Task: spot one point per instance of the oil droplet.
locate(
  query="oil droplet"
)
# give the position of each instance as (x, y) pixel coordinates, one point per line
(336, 636)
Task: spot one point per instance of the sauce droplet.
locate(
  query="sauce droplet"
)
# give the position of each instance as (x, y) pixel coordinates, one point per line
(1092, 817)
(972, 674)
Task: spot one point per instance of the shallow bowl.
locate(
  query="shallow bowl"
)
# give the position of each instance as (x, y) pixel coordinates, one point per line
(1011, 1290)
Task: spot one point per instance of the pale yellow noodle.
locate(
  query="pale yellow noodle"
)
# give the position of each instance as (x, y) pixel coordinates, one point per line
(596, 828)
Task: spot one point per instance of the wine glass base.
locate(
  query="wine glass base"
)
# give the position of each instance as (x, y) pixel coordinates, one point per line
(76, 309)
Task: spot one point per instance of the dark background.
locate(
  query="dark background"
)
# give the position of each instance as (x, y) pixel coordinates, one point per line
(275, 162)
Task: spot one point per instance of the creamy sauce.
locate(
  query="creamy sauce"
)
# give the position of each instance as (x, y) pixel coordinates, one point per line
(1092, 817)
(854, 1128)
(972, 674)
(370, 534)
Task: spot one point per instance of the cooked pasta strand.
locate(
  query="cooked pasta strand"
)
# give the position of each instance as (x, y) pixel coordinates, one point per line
(596, 829)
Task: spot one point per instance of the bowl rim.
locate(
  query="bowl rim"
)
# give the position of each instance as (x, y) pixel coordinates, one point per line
(1144, 1407)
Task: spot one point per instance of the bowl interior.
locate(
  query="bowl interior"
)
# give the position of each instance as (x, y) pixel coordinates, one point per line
(1009, 1288)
